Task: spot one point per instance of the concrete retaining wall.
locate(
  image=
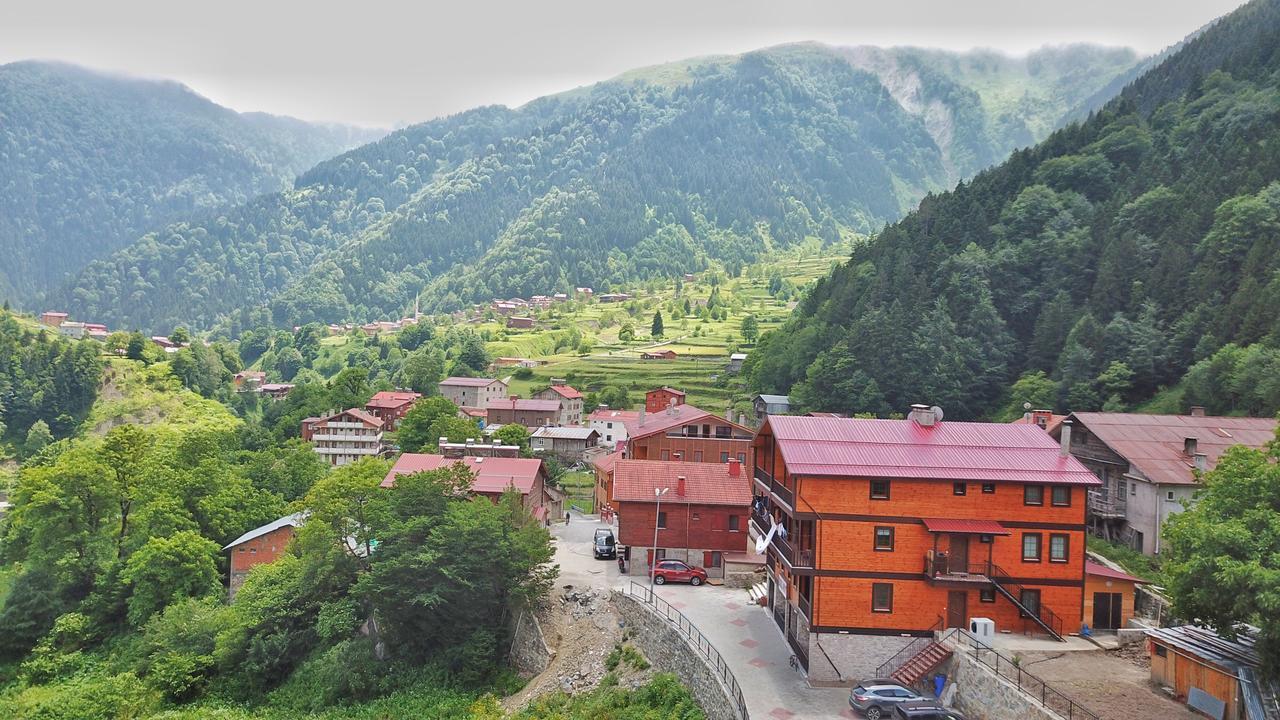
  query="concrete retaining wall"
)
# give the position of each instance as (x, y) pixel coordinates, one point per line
(842, 660)
(668, 649)
(983, 695)
(530, 653)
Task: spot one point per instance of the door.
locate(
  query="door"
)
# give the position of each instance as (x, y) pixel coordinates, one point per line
(1106, 610)
(957, 609)
(959, 561)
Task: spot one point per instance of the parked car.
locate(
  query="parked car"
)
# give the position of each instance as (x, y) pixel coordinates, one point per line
(925, 710)
(677, 571)
(875, 699)
(605, 547)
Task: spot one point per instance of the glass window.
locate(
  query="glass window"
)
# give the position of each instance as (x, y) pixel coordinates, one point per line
(959, 488)
(1061, 495)
(879, 489)
(724, 457)
(987, 595)
(662, 519)
(1059, 547)
(734, 520)
(1032, 495)
(1031, 547)
(882, 597)
(884, 538)
(988, 488)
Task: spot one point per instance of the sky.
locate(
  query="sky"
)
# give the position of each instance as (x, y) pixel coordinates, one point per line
(388, 64)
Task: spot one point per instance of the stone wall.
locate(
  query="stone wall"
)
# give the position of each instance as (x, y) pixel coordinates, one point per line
(530, 653)
(836, 659)
(982, 695)
(668, 649)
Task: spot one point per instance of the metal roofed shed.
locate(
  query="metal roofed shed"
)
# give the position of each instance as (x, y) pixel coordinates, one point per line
(294, 520)
(1212, 674)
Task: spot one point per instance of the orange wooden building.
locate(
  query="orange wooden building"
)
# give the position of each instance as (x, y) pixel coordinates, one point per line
(890, 529)
(260, 546)
(689, 434)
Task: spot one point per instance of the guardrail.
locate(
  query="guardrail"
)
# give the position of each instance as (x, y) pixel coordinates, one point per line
(1012, 671)
(686, 627)
(909, 650)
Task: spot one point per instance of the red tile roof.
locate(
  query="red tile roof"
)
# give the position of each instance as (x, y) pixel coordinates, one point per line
(524, 404)
(391, 399)
(493, 474)
(664, 420)
(972, 527)
(705, 483)
(468, 381)
(949, 450)
(566, 392)
(605, 463)
(1093, 567)
(1153, 444)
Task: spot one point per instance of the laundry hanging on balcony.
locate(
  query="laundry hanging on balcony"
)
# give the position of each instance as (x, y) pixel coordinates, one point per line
(763, 542)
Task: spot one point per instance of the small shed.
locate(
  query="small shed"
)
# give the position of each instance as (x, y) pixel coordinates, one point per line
(1212, 674)
(1108, 596)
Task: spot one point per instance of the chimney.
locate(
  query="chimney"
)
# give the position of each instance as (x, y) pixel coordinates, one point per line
(641, 421)
(1190, 446)
(443, 440)
(922, 415)
(680, 486)
(1197, 411)
(1202, 462)
(1066, 437)
(735, 468)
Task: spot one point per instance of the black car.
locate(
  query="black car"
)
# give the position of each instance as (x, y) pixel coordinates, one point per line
(925, 710)
(605, 548)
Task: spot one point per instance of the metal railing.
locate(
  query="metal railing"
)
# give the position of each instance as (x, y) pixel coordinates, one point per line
(1107, 506)
(1011, 670)
(909, 650)
(645, 594)
(938, 565)
(1047, 618)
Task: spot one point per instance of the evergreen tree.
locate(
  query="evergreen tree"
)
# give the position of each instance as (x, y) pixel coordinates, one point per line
(655, 329)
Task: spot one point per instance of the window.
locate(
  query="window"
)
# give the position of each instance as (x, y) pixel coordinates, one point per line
(697, 456)
(988, 488)
(1162, 651)
(662, 520)
(1059, 547)
(742, 458)
(609, 426)
(959, 488)
(664, 455)
(879, 489)
(987, 595)
(884, 539)
(724, 457)
(1032, 495)
(1170, 494)
(734, 521)
(1030, 600)
(1133, 488)
(985, 539)
(1031, 547)
(697, 516)
(1061, 495)
(882, 597)
(717, 559)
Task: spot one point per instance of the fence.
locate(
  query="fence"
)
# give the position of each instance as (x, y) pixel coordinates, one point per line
(700, 641)
(1012, 671)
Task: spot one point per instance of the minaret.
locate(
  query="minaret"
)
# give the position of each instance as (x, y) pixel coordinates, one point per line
(416, 314)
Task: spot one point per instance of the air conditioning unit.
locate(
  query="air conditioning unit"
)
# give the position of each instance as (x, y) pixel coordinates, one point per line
(984, 629)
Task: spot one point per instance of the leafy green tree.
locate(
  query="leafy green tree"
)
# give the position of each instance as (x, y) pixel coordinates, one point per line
(38, 436)
(750, 328)
(415, 430)
(180, 336)
(350, 388)
(415, 336)
(1033, 388)
(124, 450)
(289, 362)
(655, 329)
(137, 347)
(423, 370)
(168, 569)
(472, 354)
(513, 434)
(627, 334)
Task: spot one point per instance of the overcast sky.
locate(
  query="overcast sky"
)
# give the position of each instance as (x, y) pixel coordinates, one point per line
(381, 63)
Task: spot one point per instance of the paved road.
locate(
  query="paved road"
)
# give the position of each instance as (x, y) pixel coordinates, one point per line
(744, 634)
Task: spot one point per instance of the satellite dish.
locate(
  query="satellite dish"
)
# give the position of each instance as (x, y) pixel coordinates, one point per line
(1026, 406)
(937, 413)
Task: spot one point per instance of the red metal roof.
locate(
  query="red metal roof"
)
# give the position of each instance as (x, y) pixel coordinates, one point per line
(705, 483)
(524, 404)
(1153, 444)
(854, 447)
(566, 392)
(971, 527)
(1092, 567)
(605, 463)
(356, 413)
(468, 381)
(391, 399)
(493, 474)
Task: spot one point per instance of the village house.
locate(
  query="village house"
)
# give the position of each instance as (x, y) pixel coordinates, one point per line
(702, 517)
(96, 331)
(50, 318)
(770, 405)
(516, 362)
(1147, 465)
(1047, 420)
(570, 401)
(521, 323)
(345, 437)
(588, 292)
(260, 546)
(1221, 678)
(276, 391)
(472, 392)
(567, 443)
(612, 425)
(662, 398)
(71, 329)
(684, 432)
(658, 355)
(878, 531)
(602, 466)
(166, 344)
(475, 414)
(613, 297)
(735, 362)
(390, 406)
(493, 477)
(248, 380)
(522, 411)
(471, 448)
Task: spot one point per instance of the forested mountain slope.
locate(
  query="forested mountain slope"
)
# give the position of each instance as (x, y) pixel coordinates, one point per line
(651, 174)
(90, 161)
(1092, 269)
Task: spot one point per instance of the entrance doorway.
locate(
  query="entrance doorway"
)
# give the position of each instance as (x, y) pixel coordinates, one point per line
(957, 609)
(1107, 608)
(959, 560)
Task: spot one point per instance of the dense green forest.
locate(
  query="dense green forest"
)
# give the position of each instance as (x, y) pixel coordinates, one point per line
(90, 161)
(47, 383)
(1087, 272)
(652, 174)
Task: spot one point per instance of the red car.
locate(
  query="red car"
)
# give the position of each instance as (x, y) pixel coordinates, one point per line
(676, 571)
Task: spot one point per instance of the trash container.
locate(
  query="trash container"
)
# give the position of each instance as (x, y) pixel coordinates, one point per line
(939, 682)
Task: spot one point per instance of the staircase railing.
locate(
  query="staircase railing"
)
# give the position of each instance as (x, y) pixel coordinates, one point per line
(908, 651)
(1011, 670)
(1043, 616)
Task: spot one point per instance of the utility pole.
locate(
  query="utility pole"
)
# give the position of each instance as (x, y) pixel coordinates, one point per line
(653, 562)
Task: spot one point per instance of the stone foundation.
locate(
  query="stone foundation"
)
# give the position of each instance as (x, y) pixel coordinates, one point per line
(529, 652)
(982, 695)
(837, 659)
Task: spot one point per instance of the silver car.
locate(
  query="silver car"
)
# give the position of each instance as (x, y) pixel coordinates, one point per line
(877, 698)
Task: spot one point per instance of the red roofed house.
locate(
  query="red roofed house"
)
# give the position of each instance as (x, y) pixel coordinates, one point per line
(684, 432)
(658, 355)
(662, 398)
(260, 546)
(1108, 596)
(880, 530)
(570, 402)
(494, 475)
(52, 319)
(345, 437)
(613, 425)
(703, 515)
(1046, 419)
(472, 392)
(523, 411)
(390, 406)
(248, 380)
(1147, 464)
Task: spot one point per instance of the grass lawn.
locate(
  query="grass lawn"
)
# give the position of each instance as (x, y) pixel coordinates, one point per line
(579, 485)
(1134, 562)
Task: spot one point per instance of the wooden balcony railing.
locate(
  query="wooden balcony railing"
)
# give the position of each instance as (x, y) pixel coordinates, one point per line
(1110, 506)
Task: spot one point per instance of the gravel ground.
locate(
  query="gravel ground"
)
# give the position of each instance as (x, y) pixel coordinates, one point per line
(1115, 684)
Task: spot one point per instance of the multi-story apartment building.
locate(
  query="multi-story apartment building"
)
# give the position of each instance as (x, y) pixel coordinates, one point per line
(684, 432)
(472, 392)
(344, 437)
(878, 531)
(570, 402)
(390, 406)
(523, 411)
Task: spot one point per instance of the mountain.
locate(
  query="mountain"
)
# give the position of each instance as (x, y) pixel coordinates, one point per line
(1086, 272)
(651, 174)
(91, 161)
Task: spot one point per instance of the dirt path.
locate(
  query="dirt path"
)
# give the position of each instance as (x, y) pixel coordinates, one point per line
(1114, 684)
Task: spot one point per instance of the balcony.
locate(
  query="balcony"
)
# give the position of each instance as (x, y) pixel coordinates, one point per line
(1106, 506)
(938, 567)
(365, 450)
(806, 607)
(795, 557)
(346, 437)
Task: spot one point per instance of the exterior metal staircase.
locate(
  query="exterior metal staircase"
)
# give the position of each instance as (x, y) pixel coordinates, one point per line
(921, 664)
(1043, 616)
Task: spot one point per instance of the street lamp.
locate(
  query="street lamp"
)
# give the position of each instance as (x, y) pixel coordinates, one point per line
(653, 561)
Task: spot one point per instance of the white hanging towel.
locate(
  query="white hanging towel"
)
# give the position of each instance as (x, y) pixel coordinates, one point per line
(762, 543)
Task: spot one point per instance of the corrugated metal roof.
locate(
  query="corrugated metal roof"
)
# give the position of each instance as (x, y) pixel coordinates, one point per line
(356, 413)
(391, 399)
(605, 463)
(971, 527)
(705, 483)
(565, 391)
(663, 420)
(855, 447)
(775, 399)
(493, 474)
(1092, 567)
(1210, 646)
(294, 520)
(1154, 444)
(566, 433)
